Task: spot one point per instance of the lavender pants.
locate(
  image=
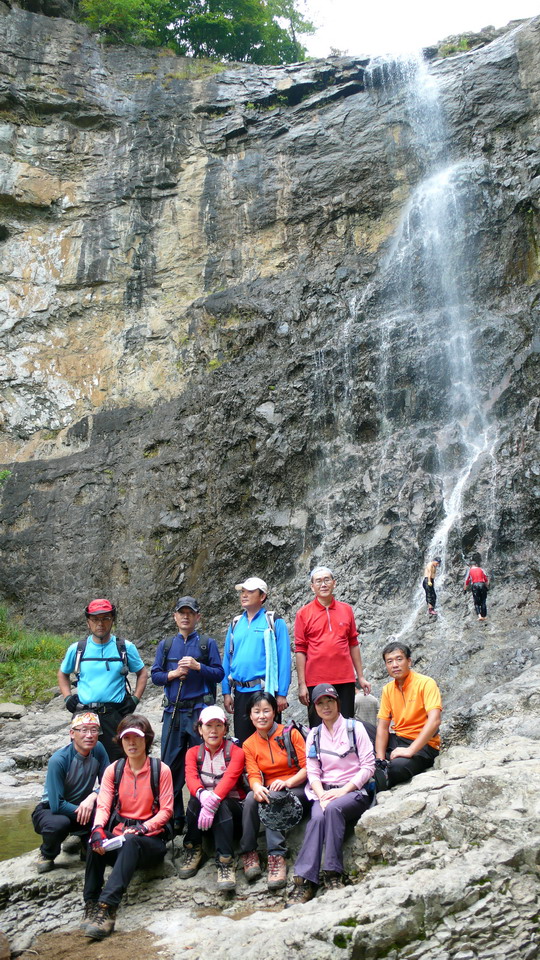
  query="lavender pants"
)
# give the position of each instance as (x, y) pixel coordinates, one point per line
(327, 827)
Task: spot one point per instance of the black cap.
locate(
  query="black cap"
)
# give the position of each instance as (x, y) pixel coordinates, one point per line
(324, 690)
(190, 602)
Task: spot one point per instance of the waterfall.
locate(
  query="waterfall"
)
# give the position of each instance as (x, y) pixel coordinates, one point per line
(422, 288)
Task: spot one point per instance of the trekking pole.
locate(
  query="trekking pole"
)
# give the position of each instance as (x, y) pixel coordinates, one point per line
(173, 716)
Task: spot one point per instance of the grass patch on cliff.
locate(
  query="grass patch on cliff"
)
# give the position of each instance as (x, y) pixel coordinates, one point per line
(29, 661)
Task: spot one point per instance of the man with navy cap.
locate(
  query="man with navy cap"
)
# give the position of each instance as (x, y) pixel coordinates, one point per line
(257, 656)
(101, 663)
(188, 666)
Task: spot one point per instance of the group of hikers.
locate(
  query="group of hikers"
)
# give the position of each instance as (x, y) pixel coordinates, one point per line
(476, 578)
(123, 805)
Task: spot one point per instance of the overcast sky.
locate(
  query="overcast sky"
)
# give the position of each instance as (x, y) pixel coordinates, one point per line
(389, 26)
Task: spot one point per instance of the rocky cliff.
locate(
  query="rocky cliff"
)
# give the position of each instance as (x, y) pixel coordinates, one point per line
(231, 345)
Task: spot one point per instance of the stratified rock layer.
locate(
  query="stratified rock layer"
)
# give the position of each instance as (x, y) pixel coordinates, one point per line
(201, 378)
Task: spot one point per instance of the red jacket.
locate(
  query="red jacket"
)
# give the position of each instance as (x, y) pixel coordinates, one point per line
(230, 779)
(476, 575)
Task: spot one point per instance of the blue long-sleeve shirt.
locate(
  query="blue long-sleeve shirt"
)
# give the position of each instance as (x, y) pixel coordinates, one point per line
(71, 777)
(249, 660)
(197, 683)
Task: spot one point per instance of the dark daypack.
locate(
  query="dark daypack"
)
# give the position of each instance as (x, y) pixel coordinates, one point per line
(270, 619)
(227, 752)
(203, 658)
(285, 741)
(122, 657)
(155, 775)
(316, 745)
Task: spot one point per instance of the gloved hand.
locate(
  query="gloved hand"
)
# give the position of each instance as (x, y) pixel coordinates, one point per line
(97, 837)
(131, 702)
(209, 805)
(139, 831)
(72, 702)
(381, 775)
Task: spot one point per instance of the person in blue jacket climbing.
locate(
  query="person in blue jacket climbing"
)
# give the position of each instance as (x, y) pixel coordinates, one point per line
(257, 656)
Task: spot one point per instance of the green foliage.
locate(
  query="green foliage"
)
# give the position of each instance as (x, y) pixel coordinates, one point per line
(255, 31)
(4, 476)
(29, 661)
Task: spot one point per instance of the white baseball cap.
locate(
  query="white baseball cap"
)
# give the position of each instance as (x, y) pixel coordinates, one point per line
(212, 713)
(252, 583)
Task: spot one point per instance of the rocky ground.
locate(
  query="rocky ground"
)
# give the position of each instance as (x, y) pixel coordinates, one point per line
(446, 868)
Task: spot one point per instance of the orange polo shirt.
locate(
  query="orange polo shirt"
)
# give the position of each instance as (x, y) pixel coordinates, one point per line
(408, 708)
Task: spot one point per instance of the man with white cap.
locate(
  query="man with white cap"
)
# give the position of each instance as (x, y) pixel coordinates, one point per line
(257, 656)
(326, 643)
(101, 663)
(69, 797)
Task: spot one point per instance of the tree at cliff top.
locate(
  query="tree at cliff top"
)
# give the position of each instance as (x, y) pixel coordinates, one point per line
(255, 31)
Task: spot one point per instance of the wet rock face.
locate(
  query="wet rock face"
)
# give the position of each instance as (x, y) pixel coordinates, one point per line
(211, 369)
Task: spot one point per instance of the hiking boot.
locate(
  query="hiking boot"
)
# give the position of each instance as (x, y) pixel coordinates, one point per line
(43, 863)
(88, 915)
(277, 872)
(71, 844)
(252, 865)
(333, 880)
(192, 860)
(302, 891)
(102, 924)
(226, 874)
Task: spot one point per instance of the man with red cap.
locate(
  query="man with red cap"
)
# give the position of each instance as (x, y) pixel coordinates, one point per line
(101, 664)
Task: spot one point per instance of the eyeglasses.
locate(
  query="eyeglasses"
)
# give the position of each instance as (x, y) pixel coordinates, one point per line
(104, 619)
(94, 731)
(324, 582)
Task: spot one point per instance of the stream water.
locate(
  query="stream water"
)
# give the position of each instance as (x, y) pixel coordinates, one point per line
(16, 831)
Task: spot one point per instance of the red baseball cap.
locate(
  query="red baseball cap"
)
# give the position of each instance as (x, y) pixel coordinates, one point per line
(99, 606)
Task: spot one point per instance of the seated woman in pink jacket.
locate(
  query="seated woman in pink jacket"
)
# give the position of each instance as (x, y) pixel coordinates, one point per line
(134, 805)
(340, 761)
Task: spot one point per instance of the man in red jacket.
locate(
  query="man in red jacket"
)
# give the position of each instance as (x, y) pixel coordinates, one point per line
(326, 643)
(478, 580)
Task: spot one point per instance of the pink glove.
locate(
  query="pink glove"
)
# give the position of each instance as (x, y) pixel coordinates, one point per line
(209, 806)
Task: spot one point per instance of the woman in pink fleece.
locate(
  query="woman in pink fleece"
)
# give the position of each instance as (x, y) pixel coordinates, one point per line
(134, 805)
(340, 761)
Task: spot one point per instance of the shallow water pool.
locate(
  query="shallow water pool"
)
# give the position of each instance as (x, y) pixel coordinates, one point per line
(16, 831)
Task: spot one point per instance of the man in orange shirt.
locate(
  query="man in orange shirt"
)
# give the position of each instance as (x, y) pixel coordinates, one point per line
(412, 703)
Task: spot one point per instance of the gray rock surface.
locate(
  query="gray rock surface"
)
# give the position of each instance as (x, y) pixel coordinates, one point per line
(445, 867)
(205, 374)
(12, 711)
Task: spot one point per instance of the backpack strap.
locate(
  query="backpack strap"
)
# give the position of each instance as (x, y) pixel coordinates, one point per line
(351, 732)
(155, 775)
(81, 647)
(122, 656)
(234, 621)
(118, 774)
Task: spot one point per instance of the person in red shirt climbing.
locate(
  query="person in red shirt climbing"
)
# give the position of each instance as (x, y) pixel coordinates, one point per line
(478, 581)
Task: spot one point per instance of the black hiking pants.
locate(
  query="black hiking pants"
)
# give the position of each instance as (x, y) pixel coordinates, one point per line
(479, 592)
(431, 596)
(55, 827)
(136, 852)
(403, 769)
(227, 825)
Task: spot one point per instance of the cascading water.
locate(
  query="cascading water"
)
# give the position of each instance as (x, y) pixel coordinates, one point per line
(424, 275)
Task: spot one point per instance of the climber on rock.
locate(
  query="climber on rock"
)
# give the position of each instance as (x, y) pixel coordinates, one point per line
(412, 703)
(428, 583)
(478, 581)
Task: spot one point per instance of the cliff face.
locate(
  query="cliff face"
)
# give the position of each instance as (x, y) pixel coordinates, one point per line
(234, 343)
